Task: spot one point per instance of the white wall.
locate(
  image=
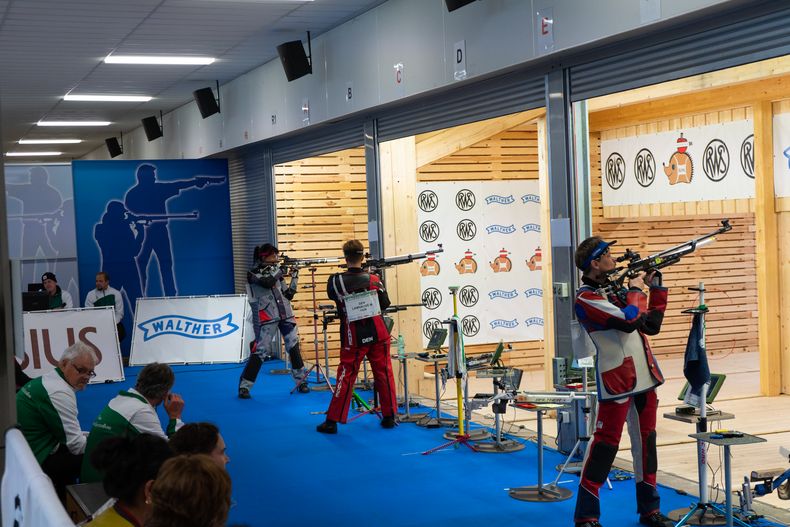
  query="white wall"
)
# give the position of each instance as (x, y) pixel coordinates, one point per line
(420, 34)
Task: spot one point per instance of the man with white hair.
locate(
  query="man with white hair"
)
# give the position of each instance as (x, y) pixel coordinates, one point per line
(47, 415)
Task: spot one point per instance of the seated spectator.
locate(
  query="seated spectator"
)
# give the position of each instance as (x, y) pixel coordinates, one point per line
(20, 377)
(200, 438)
(58, 298)
(134, 412)
(127, 465)
(47, 415)
(190, 491)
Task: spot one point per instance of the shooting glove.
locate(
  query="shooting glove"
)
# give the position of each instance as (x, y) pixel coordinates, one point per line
(294, 272)
(658, 280)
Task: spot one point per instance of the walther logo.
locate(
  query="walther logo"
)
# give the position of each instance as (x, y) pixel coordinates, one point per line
(534, 291)
(502, 200)
(499, 293)
(530, 198)
(531, 227)
(502, 229)
(534, 321)
(193, 328)
(502, 323)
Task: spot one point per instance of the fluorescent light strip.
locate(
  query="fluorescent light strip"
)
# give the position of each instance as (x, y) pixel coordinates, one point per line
(158, 59)
(107, 98)
(32, 154)
(49, 141)
(73, 123)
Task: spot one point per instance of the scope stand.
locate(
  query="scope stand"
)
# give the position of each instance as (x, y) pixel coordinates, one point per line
(704, 512)
(327, 316)
(499, 445)
(321, 379)
(407, 416)
(455, 352)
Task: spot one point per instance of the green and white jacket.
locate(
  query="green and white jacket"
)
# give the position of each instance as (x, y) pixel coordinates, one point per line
(46, 410)
(127, 414)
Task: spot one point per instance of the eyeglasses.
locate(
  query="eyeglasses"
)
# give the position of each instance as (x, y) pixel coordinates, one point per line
(84, 371)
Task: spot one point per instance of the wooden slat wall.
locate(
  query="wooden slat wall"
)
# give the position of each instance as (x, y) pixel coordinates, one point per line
(727, 267)
(508, 155)
(321, 203)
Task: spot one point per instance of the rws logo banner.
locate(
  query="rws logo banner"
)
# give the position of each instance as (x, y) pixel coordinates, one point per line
(491, 235)
(48, 334)
(192, 330)
(704, 163)
(159, 228)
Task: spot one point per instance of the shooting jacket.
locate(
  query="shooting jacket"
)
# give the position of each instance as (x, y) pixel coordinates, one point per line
(266, 288)
(361, 332)
(618, 325)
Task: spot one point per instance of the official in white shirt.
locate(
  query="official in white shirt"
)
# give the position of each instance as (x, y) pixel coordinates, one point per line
(104, 295)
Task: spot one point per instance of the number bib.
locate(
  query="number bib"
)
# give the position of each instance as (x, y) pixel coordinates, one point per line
(362, 305)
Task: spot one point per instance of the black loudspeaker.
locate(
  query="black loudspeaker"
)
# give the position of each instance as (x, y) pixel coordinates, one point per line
(294, 60)
(452, 5)
(152, 128)
(113, 146)
(206, 103)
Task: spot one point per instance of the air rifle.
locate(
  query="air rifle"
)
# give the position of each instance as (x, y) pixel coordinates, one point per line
(376, 264)
(299, 263)
(636, 264)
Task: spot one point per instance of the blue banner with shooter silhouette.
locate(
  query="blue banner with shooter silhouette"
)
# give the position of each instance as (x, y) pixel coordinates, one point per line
(159, 228)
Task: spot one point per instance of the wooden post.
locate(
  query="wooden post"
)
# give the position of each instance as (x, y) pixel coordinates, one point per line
(767, 250)
(545, 240)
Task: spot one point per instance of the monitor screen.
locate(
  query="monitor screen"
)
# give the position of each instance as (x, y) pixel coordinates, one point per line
(438, 337)
(35, 301)
(716, 380)
(32, 288)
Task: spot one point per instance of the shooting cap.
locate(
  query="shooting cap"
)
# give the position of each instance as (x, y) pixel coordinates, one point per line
(596, 253)
(267, 249)
(48, 276)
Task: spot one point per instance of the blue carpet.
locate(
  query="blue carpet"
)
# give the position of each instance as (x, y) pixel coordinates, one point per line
(285, 473)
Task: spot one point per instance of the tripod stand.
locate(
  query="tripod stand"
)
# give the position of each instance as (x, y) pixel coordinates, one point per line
(456, 363)
(320, 376)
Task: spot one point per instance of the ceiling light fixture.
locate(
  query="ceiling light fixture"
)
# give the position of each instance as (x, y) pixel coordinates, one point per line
(32, 154)
(158, 59)
(49, 141)
(73, 123)
(107, 98)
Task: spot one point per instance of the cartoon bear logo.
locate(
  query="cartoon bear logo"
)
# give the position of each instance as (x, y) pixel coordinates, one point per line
(680, 169)
(430, 267)
(467, 264)
(534, 263)
(502, 263)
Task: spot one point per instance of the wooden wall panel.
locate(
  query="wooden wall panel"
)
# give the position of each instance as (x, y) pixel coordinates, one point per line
(321, 203)
(727, 267)
(512, 154)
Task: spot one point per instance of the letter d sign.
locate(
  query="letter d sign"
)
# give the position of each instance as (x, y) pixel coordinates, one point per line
(460, 60)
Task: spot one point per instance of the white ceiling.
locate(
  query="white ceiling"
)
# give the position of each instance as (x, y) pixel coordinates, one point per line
(51, 47)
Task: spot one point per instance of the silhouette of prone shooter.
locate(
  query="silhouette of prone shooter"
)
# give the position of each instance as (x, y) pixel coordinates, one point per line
(147, 204)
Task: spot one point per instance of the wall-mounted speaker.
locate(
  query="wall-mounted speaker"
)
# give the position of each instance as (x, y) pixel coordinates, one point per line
(206, 103)
(152, 128)
(294, 59)
(113, 146)
(452, 5)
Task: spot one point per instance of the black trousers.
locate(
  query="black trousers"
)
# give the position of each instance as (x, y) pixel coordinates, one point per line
(63, 468)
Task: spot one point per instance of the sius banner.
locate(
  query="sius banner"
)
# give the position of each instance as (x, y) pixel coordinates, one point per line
(192, 330)
(704, 163)
(490, 232)
(49, 333)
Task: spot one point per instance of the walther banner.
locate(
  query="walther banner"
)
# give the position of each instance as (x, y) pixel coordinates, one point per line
(49, 333)
(196, 329)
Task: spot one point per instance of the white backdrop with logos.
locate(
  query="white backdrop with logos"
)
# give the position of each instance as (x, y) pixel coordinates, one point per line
(691, 164)
(47, 334)
(490, 231)
(782, 155)
(195, 329)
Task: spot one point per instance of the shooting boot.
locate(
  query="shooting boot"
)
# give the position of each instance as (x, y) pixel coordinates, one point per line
(591, 523)
(303, 387)
(244, 393)
(388, 421)
(327, 427)
(656, 519)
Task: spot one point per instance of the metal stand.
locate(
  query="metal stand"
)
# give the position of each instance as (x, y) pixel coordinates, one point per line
(457, 367)
(320, 377)
(498, 445)
(703, 512)
(540, 492)
(407, 416)
(437, 421)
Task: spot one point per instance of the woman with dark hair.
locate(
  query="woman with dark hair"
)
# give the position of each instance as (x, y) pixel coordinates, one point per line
(133, 412)
(200, 438)
(128, 464)
(190, 491)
